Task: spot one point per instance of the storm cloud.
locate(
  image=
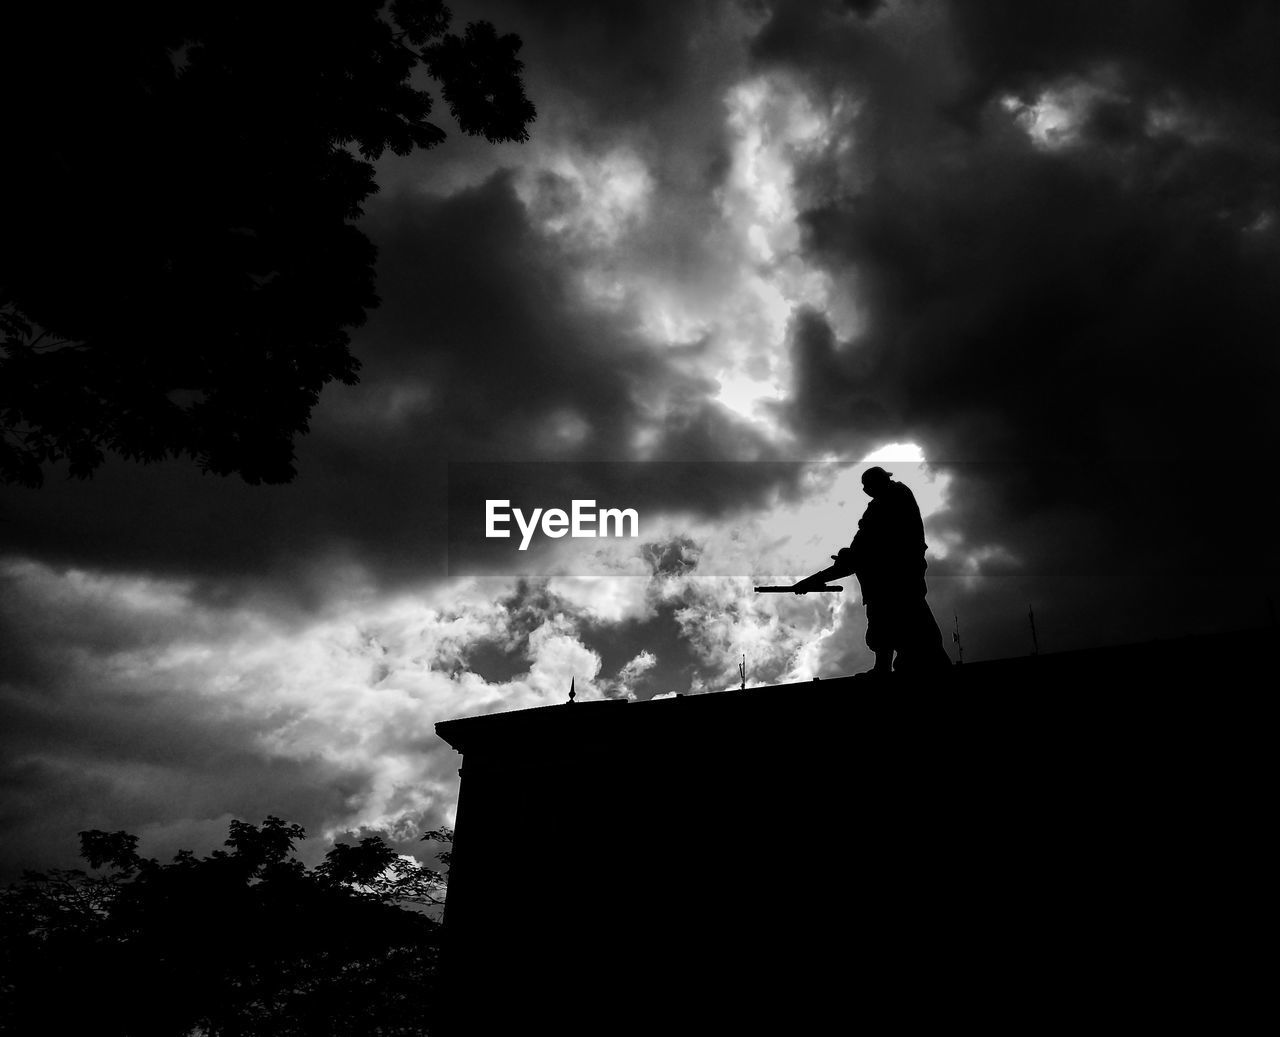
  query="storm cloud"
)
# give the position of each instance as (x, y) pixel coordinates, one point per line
(1023, 255)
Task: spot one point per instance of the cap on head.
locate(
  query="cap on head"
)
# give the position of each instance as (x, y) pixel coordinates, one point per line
(875, 476)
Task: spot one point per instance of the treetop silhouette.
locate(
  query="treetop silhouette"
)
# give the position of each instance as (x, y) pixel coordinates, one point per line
(245, 940)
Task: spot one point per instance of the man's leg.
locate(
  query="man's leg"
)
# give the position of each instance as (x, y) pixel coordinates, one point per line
(879, 637)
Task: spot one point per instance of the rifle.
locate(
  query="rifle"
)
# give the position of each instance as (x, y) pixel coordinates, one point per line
(796, 588)
(818, 581)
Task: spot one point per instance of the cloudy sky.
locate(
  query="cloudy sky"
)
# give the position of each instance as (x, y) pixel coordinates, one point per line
(1025, 255)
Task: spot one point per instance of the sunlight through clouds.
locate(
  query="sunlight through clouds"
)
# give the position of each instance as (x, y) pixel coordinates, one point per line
(354, 694)
(772, 124)
(591, 200)
(912, 469)
(778, 541)
(737, 309)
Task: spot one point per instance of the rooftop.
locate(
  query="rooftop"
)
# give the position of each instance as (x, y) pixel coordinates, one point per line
(1127, 676)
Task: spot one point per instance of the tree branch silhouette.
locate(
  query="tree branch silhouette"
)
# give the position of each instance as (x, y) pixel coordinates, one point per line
(179, 194)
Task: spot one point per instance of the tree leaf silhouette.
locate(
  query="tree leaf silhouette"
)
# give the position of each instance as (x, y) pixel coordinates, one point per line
(179, 274)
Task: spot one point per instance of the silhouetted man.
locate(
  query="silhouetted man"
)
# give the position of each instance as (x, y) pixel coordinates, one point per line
(887, 556)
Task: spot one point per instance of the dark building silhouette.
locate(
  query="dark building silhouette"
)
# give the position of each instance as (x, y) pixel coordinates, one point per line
(1064, 838)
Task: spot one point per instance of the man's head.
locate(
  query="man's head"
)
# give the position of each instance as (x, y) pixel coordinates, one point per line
(874, 480)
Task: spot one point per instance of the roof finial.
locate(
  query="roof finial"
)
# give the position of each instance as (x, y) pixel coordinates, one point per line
(572, 693)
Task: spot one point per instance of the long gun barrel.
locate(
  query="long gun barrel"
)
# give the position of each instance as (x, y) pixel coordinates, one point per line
(794, 589)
